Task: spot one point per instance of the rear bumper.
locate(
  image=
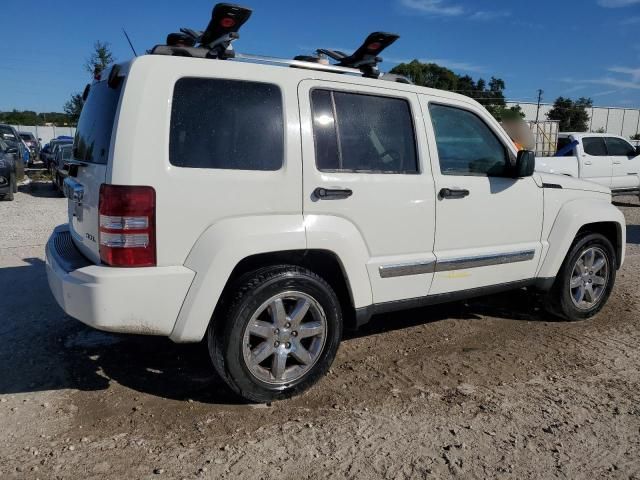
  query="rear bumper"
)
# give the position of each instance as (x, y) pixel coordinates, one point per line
(136, 300)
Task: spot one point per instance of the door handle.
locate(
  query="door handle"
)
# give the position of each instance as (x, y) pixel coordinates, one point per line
(587, 162)
(454, 193)
(617, 163)
(322, 193)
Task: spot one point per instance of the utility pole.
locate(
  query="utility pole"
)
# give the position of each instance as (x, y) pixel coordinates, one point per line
(540, 92)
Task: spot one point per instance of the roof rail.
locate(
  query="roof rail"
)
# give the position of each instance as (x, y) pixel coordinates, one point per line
(226, 19)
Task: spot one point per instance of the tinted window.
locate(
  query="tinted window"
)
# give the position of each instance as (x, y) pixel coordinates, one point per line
(363, 133)
(594, 146)
(466, 145)
(226, 124)
(66, 153)
(618, 147)
(565, 142)
(93, 135)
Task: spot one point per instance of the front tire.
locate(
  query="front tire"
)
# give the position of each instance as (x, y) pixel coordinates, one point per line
(277, 335)
(585, 280)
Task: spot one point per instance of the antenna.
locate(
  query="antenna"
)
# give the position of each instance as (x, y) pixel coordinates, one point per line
(129, 40)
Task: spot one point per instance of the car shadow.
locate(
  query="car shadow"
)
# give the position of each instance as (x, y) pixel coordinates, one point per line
(43, 349)
(41, 189)
(618, 203)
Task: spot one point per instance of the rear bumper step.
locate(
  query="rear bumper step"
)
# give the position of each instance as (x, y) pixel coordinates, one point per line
(126, 300)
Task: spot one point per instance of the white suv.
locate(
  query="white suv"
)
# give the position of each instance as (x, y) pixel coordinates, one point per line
(265, 208)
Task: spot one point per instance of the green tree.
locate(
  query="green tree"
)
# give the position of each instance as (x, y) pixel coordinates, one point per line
(100, 59)
(491, 96)
(95, 65)
(572, 114)
(635, 137)
(73, 108)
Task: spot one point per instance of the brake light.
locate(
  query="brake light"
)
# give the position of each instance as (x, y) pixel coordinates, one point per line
(127, 226)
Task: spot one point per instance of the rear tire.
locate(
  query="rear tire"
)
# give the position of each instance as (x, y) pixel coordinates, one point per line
(276, 334)
(585, 280)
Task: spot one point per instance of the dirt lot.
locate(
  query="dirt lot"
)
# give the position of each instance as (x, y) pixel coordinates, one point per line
(487, 389)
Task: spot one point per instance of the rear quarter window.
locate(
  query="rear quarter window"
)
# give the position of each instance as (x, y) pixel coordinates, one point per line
(226, 124)
(93, 135)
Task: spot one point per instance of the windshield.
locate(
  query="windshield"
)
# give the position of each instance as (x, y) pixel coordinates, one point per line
(26, 136)
(93, 136)
(8, 136)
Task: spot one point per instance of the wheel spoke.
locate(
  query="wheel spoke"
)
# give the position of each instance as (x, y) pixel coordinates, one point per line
(597, 266)
(278, 313)
(299, 312)
(261, 329)
(310, 329)
(261, 353)
(279, 364)
(301, 354)
(576, 282)
(580, 265)
(589, 258)
(580, 295)
(599, 281)
(589, 294)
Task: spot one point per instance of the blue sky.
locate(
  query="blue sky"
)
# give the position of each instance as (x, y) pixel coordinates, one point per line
(571, 48)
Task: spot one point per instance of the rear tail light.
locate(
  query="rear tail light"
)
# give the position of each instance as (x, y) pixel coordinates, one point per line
(127, 226)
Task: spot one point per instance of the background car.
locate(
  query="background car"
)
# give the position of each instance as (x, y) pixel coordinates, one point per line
(33, 143)
(8, 182)
(60, 166)
(11, 137)
(49, 152)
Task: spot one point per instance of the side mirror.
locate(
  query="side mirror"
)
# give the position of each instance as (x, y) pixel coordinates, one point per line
(525, 164)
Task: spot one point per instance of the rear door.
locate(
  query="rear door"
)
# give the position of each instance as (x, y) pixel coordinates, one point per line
(595, 163)
(92, 147)
(367, 174)
(625, 163)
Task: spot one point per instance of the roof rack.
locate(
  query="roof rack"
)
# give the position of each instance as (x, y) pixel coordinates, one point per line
(215, 42)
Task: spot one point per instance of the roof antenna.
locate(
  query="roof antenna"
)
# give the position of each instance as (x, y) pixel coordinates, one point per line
(129, 40)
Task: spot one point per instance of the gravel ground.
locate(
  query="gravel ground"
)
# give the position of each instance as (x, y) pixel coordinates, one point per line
(492, 388)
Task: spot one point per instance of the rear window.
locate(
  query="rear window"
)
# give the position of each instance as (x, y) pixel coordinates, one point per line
(226, 124)
(93, 135)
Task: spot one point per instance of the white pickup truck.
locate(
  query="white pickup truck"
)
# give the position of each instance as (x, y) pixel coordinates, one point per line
(598, 157)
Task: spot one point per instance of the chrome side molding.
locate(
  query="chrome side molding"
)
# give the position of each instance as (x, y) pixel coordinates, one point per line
(404, 269)
(463, 263)
(484, 260)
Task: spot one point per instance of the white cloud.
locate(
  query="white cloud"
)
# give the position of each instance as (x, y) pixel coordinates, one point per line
(617, 3)
(434, 7)
(484, 15)
(634, 72)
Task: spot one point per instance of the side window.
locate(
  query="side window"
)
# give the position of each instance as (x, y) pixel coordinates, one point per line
(466, 145)
(226, 124)
(619, 147)
(565, 142)
(363, 133)
(594, 146)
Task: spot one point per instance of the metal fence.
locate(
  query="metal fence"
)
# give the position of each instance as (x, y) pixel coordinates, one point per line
(46, 133)
(617, 121)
